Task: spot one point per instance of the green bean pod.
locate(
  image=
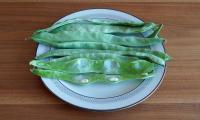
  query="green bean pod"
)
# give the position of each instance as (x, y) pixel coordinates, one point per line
(95, 22)
(155, 56)
(106, 66)
(88, 78)
(103, 28)
(85, 36)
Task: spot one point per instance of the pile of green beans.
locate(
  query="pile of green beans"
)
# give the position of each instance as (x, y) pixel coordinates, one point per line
(98, 50)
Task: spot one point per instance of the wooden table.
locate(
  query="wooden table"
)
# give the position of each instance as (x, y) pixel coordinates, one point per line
(24, 97)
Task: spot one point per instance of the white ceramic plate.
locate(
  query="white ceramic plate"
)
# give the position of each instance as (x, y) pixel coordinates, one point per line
(98, 96)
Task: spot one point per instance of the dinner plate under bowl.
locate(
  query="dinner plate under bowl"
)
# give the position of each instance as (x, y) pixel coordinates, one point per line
(104, 96)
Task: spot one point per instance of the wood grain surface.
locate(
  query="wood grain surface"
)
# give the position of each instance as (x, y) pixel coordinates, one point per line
(100, 1)
(24, 97)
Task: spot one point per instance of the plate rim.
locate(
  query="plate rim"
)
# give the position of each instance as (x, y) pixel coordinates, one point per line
(115, 109)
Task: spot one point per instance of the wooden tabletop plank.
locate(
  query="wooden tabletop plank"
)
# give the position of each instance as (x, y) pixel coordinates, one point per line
(63, 112)
(100, 1)
(23, 94)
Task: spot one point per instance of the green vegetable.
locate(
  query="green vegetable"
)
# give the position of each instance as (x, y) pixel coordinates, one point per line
(88, 27)
(107, 66)
(102, 21)
(156, 32)
(94, 21)
(105, 46)
(99, 50)
(88, 78)
(95, 56)
(84, 45)
(155, 56)
(69, 52)
(84, 36)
